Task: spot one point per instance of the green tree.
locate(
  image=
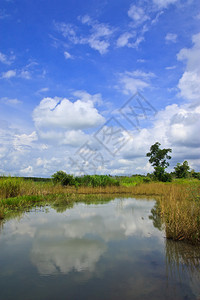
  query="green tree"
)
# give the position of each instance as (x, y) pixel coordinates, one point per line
(158, 159)
(63, 178)
(182, 171)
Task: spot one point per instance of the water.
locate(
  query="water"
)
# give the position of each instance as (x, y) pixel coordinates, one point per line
(97, 251)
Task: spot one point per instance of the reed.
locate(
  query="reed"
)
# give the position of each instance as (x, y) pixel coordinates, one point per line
(180, 212)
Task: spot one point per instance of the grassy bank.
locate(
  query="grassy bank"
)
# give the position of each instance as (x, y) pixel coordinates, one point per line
(178, 202)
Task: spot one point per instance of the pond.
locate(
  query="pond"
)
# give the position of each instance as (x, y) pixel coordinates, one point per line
(114, 250)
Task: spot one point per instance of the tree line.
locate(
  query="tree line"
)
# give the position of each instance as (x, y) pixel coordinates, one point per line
(158, 158)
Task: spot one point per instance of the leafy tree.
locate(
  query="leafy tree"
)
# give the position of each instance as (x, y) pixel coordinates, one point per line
(182, 171)
(158, 159)
(62, 178)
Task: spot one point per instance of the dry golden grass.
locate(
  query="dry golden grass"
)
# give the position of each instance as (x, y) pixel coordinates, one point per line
(180, 211)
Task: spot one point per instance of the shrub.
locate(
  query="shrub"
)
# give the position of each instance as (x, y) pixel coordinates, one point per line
(182, 171)
(96, 181)
(63, 178)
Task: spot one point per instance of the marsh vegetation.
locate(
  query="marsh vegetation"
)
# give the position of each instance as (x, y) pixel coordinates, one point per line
(178, 201)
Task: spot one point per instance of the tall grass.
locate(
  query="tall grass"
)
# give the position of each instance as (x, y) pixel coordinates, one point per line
(180, 212)
(10, 187)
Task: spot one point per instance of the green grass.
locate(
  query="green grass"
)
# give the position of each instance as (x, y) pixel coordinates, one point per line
(133, 180)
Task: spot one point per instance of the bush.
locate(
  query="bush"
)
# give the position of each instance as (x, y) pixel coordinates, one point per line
(146, 179)
(195, 175)
(96, 180)
(161, 175)
(86, 180)
(182, 171)
(63, 178)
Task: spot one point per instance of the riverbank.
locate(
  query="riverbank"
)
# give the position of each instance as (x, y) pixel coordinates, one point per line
(178, 202)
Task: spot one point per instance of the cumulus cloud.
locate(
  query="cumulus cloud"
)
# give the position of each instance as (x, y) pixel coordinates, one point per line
(174, 127)
(85, 97)
(73, 138)
(62, 113)
(189, 83)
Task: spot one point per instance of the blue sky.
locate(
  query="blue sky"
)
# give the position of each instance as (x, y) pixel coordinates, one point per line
(68, 70)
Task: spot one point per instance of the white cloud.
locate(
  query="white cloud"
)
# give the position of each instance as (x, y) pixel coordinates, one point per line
(174, 127)
(27, 171)
(189, 83)
(9, 74)
(13, 73)
(62, 113)
(43, 90)
(142, 22)
(171, 37)
(141, 60)
(25, 74)
(74, 138)
(22, 141)
(184, 128)
(170, 68)
(67, 30)
(164, 3)
(5, 59)
(85, 97)
(8, 101)
(133, 81)
(98, 37)
(123, 40)
(156, 19)
(67, 55)
(137, 14)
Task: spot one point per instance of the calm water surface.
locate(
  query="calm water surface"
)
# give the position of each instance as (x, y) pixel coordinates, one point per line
(97, 251)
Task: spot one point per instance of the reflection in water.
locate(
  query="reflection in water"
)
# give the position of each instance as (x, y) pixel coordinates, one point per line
(78, 238)
(108, 251)
(155, 216)
(183, 262)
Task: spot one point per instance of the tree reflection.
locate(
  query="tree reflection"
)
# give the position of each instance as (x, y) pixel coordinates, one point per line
(155, 216)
